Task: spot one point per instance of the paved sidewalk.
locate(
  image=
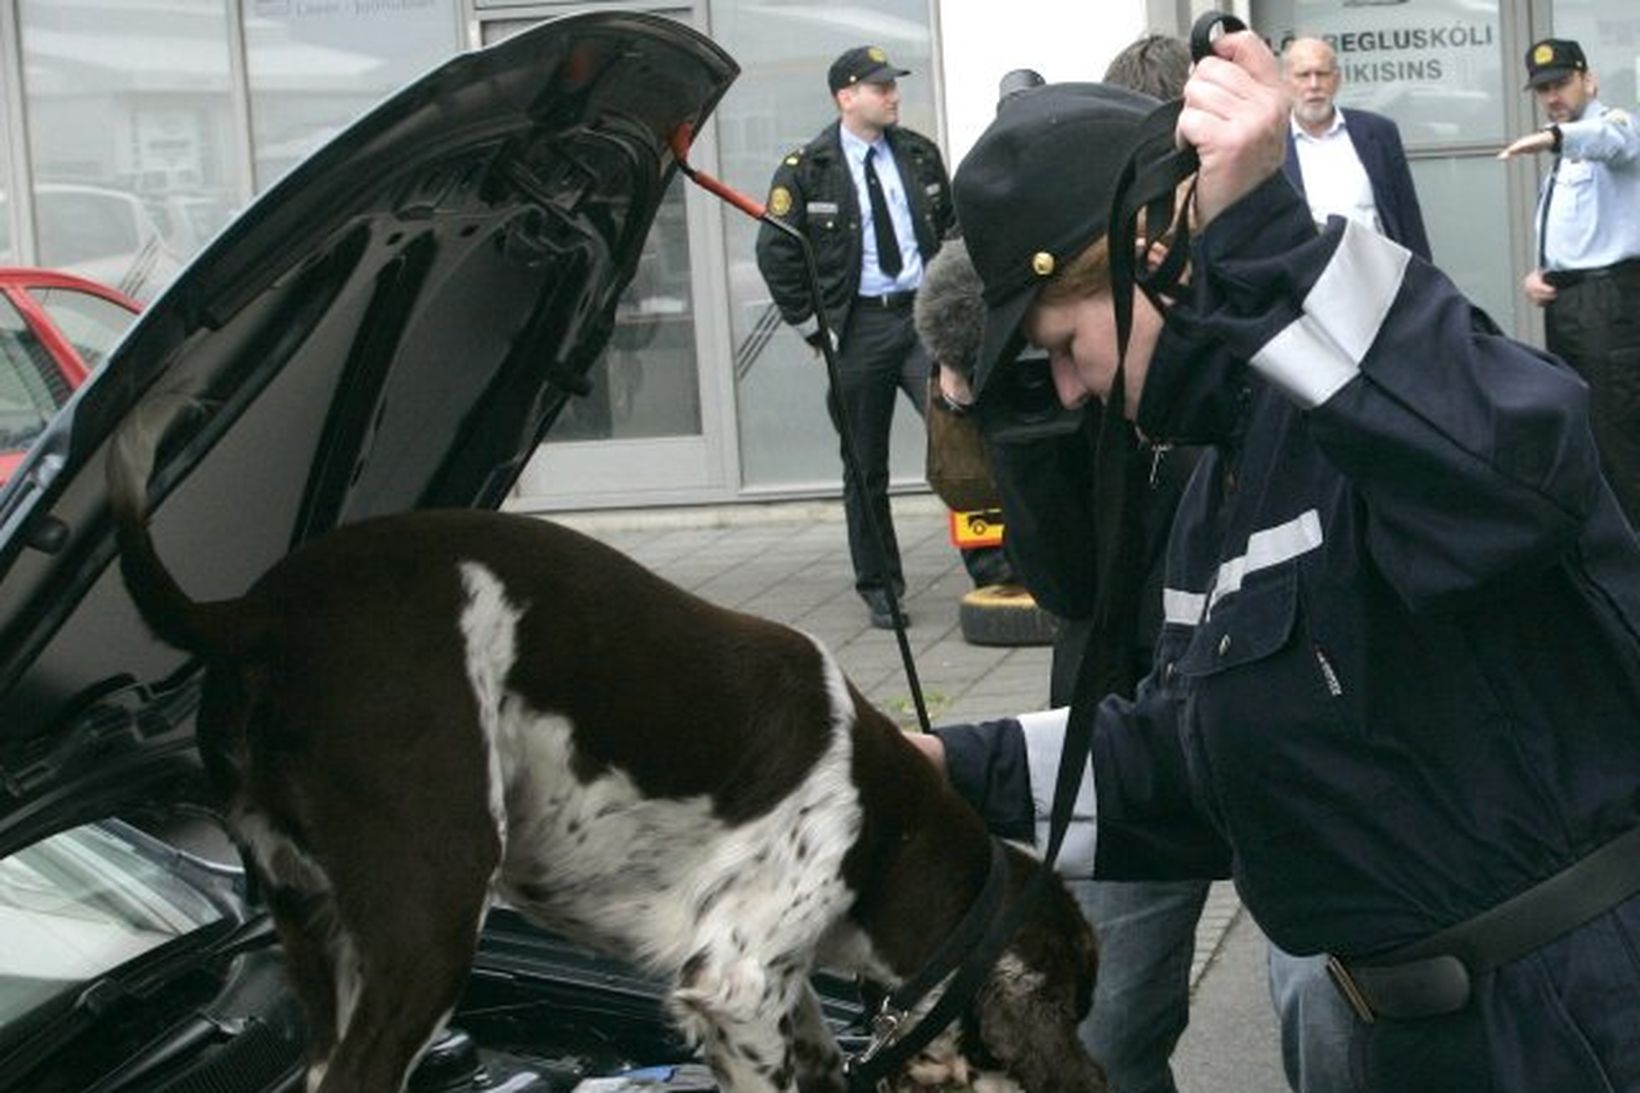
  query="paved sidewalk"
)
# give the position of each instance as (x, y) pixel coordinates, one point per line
(789, 562)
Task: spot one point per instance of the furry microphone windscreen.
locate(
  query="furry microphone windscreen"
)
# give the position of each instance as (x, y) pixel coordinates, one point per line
(949, 312)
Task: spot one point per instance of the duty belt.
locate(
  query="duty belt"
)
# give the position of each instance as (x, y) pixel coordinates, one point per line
(1565, 278)
(1433, 976)
(889, 299)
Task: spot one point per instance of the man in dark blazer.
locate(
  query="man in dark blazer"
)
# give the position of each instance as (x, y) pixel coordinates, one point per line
(1347, 162)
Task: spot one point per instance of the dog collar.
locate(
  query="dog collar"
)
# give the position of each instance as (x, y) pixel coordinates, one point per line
(966, 957)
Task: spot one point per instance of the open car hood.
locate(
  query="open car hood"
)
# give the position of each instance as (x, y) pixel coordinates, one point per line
(393, 326)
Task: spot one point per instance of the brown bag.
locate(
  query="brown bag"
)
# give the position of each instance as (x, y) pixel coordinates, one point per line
(957, 469)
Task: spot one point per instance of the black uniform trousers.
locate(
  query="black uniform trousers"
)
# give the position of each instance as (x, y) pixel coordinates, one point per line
(1593, 324)
(879, 356)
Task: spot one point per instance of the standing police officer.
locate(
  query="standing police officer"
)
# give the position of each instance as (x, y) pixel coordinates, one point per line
(1588, 272)
(875, 202)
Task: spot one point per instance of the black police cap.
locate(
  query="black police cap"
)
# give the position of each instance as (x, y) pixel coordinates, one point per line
(1553, 59)
(862, 64)
(1036, 191)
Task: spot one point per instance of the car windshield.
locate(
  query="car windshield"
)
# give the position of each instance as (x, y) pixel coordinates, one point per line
(77, 905)
(31, 387)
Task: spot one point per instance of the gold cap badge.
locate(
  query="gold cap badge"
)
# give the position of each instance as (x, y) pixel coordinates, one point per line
(1042, 263)
(877, 55)
(1543, 54)
(780, 201)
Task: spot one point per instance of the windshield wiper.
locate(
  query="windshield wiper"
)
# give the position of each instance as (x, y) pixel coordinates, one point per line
(113, 996)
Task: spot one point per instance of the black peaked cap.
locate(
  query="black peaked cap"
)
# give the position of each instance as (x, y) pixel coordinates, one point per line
(1036, 190)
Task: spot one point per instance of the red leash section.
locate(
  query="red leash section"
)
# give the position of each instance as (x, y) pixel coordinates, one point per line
(683, 137)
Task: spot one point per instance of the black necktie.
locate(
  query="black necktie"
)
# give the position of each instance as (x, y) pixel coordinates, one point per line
(888, 247)
(1543, 217)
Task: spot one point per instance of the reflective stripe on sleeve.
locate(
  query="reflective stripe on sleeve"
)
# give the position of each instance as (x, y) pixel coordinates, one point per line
(1321, 350)
(1044, 740)
(1182, 608)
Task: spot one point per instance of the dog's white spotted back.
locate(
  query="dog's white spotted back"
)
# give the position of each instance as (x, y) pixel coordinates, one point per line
(660, 879)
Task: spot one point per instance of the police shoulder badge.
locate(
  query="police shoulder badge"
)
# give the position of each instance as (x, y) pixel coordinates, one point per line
(1617, 117)
(780, 201)
(1543, 54)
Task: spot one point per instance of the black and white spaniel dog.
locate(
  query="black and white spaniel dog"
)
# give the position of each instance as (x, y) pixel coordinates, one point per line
(416, 715)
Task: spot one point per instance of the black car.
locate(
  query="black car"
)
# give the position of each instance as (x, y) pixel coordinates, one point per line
(394, 326)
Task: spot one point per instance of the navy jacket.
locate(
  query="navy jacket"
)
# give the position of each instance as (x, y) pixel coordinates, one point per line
(1378, 146)
(1398, 680)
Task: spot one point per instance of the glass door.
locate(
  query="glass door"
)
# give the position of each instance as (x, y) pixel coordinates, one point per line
(650, 431)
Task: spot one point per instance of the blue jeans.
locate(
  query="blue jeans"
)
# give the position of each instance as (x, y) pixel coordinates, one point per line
(1317, 1026)
(1147, 939)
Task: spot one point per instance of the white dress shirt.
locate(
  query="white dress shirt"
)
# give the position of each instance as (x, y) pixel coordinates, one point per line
(1335, 182)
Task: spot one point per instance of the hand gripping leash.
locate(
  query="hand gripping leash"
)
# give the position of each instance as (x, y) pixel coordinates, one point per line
(1147, 190)
(682, 139)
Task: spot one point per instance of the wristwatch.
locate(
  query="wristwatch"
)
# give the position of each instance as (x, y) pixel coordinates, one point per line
(1555, 137)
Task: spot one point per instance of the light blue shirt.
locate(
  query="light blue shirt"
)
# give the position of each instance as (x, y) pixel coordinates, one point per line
(873, 282)
(1594, 207)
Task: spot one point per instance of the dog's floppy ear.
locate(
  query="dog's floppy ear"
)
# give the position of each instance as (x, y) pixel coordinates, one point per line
(1029, 1025)
(1040, 990)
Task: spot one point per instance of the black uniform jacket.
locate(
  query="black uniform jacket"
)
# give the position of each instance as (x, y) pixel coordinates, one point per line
(1399, 677)
(814, 193)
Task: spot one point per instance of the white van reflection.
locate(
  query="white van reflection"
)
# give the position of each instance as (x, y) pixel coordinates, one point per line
(104, 234)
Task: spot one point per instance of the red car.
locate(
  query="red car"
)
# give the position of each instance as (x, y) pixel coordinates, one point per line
(55, 330)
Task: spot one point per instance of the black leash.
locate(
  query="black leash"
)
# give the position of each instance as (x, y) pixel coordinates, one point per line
(1149, 184)
(680, 142)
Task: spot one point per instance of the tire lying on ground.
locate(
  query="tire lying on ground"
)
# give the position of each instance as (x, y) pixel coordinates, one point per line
(1004, 614)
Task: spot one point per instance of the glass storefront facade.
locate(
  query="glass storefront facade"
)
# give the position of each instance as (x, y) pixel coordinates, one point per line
(312, 66)
(131, 130)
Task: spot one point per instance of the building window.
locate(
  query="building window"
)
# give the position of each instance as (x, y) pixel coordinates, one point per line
(1437, 69)
(131, 131)
(1609, 32)
(316, 65)
(8, 246)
